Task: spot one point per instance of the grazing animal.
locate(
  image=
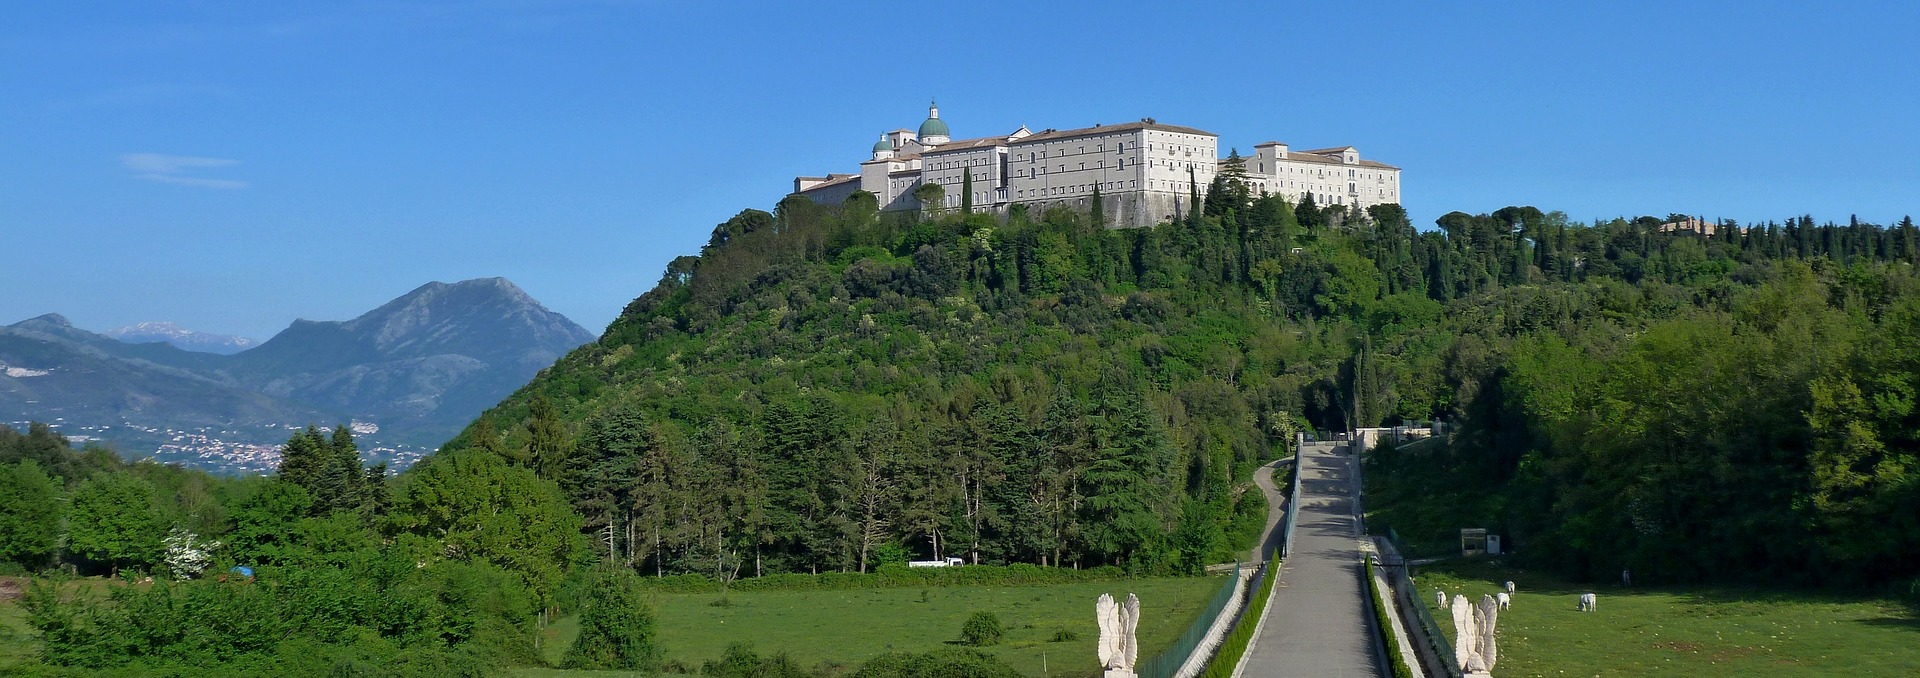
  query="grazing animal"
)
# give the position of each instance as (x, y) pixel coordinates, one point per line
(1440, 598)
(1589, 602)
(1506, 599)
(1509, 586)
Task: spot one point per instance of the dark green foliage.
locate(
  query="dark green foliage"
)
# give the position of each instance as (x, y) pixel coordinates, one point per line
(473, 506)
(982, 629)
(328, 468)
(1234, 645)
(1381, 621)
(617, 628)
(741, 661)
(30, 515)
(445, 619)
(949, 662)
(115, 521)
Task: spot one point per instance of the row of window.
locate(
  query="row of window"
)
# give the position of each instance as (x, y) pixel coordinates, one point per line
(1078, 188)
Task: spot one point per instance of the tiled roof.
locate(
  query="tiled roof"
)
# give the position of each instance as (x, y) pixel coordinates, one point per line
(834, 181)
(1053, 134)
(966, 144)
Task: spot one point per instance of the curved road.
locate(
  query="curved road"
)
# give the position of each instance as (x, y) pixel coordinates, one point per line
(1317, 623)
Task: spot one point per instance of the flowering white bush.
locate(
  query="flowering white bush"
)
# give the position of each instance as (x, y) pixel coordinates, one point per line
(186, 556)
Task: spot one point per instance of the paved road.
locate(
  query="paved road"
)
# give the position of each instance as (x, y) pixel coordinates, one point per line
(1317, 623)
(1276, 510)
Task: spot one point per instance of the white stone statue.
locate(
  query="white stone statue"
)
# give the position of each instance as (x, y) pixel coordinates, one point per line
(1473, 625)
(1118, 647)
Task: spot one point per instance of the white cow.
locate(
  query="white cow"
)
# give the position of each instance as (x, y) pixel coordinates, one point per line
(1509, 586)
(1589, 602)
(1506, 599)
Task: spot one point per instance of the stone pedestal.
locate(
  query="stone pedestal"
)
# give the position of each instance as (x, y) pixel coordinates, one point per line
(1119, 673)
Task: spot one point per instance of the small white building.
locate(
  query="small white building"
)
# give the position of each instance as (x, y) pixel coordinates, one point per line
(1146, 172)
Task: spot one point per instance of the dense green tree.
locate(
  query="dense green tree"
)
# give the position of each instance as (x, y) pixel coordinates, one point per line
(30, 515)
(474, 506)
(618, 630)
(113, 520)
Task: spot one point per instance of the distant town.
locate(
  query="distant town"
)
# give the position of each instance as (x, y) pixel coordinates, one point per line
(231, 451)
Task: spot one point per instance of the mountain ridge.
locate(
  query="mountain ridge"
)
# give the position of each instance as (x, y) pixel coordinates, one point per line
(419, 366)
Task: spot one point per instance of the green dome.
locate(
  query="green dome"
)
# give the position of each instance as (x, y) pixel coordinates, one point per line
(882, 144)
(933, 127)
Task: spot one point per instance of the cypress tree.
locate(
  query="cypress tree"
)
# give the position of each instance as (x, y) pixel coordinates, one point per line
(1193, 196)
(1099, 210)
(966, 190)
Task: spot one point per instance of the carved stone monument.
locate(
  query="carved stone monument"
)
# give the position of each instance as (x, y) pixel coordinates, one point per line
(1118, 648)
(1473, 645)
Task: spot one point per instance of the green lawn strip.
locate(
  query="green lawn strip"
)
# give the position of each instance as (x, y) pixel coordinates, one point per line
(1681, 631)
(847, 627)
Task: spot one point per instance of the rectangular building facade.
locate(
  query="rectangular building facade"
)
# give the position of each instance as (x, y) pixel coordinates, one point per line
(1145, 172)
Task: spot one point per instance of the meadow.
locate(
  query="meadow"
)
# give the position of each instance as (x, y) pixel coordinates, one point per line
(842, 629)
(1682, 631)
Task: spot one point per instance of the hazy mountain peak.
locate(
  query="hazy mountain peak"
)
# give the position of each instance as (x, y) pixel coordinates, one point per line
(53, 319)
(181, 338)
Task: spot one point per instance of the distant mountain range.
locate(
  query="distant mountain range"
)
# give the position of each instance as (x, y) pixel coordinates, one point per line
(181, 338)
(417, 369)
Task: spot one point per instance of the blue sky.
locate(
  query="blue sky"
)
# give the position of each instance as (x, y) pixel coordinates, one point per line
(234, 165)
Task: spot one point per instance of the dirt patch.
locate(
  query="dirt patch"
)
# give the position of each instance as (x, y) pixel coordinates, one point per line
(9, 589)
(1678, 646)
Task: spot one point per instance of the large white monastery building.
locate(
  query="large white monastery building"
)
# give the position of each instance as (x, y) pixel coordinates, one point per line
(1142, 170)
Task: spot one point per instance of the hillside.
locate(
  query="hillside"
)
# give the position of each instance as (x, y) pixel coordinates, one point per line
(824, 386)
(418, 367)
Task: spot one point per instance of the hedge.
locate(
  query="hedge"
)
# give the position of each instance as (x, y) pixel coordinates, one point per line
(1235, 644)
(1399, 663)
(891, 576)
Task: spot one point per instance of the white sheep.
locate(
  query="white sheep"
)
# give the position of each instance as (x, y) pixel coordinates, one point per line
(1505, 599)
(1509, 586)
(1589, 602)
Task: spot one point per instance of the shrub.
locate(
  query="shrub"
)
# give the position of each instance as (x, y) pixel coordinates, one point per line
(740, 661)
(617, 629)
(982, 629)
(951, 662)
(1064, 636)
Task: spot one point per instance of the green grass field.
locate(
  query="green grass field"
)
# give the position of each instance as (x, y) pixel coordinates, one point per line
(845, 628)
(1704, 631)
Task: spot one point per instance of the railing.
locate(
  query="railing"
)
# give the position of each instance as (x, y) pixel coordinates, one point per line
(1293, 509)
(1165, 664)
(1429, 632)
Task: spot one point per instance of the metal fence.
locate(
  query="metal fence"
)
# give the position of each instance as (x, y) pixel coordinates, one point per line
(1429, 632)
(1293, 508)
(1165, 664)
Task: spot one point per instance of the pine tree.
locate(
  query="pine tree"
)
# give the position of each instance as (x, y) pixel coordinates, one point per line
(548, 444)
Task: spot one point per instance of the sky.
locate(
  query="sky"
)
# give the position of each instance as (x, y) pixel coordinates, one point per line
(232, 166)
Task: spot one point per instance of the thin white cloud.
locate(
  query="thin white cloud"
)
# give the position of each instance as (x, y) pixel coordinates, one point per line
(170, 164)
(169, 169)
(191, 181)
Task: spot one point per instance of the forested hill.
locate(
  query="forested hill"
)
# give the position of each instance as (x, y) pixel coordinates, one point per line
(823, 388)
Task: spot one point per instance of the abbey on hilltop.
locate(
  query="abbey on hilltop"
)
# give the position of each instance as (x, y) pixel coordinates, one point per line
(1142, 170)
